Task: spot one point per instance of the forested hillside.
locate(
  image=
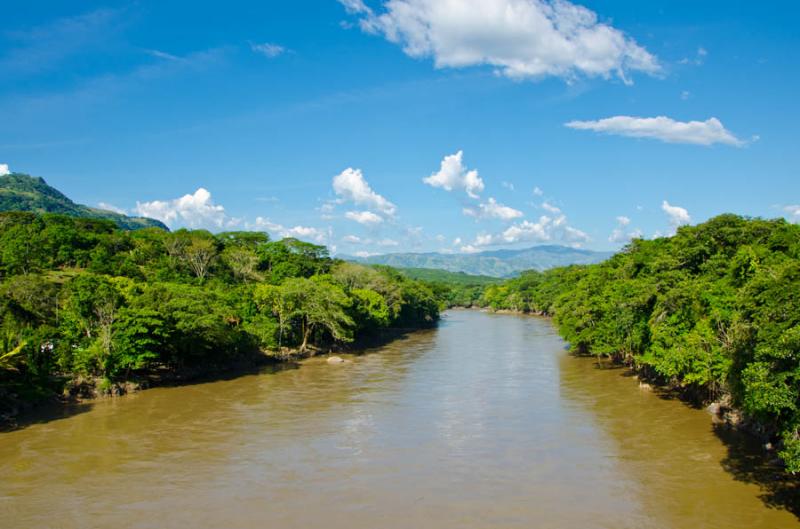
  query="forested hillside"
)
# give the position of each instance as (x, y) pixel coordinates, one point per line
(21, 192)
(81, 299)
(714, 310)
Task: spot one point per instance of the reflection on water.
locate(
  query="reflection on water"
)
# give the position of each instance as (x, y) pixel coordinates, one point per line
(484, 422)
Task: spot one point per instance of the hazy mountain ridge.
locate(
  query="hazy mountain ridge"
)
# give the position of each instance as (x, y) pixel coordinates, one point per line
(494, 263)
(22, 192)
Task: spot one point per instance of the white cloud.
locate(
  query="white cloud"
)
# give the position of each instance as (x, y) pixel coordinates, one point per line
(453, 175)
(492, 209)
(352, 239)
(350, 185)
(663, 128)
(4, 170)
(263, 223)
(196, 210)
(550, 208)
(546, 229)
(793, 211)
(268, 49)
(363, 254)
(163, 55)
(620, 234)
(699, 58)
(685, 95)
(364, 217)
(388, 243)
(525, 231)
(537, 191)
(677, 215)
(508, 185)
(520, 39)
(306, 233)
(111, 207)
(355, 6)
(298, 232)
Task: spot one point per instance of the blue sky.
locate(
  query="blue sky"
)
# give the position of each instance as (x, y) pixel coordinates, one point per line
(410, 125)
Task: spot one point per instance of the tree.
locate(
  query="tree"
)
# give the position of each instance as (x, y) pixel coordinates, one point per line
(141, 335)
(312, 304)
(242, 261)
(200, 254)
(274, 300)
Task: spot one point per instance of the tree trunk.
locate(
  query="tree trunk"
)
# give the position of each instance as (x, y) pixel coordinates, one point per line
(306, 333)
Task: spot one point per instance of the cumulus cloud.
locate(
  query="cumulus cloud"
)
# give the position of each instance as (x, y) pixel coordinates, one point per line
(305, 233)
(546, 229)
(453, 174)
(388, 243)
(268, 49)
(352, 239)
(550, 208)
(196, 210)
(109, 207)
(537, 191)
(351, 186)
(793, 211)
(4, 170)
(469, 248)
(520, 39)
(621, 234)
(493, 210)
(663, 128)
(364, 217)
(677, 215)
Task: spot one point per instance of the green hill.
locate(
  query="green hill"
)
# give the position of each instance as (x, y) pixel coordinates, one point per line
(21, 192)
(496, 263)
(432, 275)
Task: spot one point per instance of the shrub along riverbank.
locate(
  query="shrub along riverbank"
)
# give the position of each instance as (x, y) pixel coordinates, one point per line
(81, 300)
(714, 310)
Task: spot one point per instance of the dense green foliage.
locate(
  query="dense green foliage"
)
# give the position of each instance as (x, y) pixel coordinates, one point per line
(80, 297)
(714, 310)
(20, 192)
(454, 289)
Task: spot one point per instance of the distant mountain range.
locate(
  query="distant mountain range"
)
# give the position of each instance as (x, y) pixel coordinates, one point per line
(21, 192)
(496, 263)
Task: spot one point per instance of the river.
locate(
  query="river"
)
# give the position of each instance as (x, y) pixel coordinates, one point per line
(483, 422)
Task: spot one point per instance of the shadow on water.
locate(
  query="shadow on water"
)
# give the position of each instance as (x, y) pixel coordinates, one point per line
(744, 459)
(747, 462)
(55, 410)
(44, 413)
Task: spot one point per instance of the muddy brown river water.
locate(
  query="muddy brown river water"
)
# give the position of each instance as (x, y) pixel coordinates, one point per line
(484, 422)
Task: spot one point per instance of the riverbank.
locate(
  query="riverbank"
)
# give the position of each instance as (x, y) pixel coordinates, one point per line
(481, 422)
(16, 407)
(720, 407)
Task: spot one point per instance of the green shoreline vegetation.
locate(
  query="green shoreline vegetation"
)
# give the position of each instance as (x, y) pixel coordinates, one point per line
(87, 307)
(713, 311)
